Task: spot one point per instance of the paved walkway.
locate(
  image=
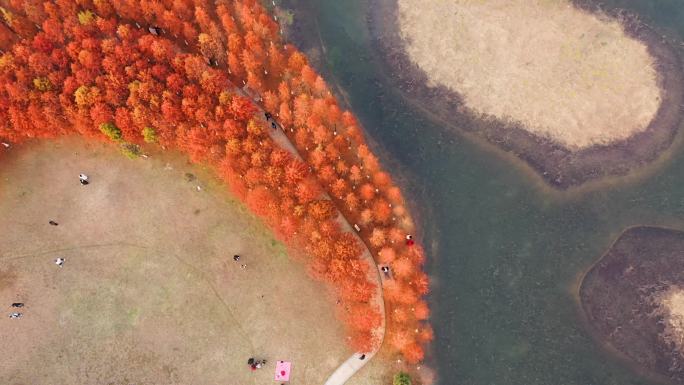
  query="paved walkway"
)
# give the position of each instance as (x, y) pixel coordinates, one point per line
(348, 368)
(354, 363)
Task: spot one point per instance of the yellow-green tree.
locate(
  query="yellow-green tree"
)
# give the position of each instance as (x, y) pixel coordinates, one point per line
(111, 131)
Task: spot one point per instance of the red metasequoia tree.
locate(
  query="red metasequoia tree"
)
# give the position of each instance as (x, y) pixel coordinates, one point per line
(92, 67)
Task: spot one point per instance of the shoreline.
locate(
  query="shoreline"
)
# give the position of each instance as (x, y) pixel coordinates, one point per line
(304, 33)
(557, 165)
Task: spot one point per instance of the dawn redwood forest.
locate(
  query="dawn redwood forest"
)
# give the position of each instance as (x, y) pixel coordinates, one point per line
(93, 68)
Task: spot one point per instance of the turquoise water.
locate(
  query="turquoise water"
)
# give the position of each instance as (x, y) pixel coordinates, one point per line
(505, 252)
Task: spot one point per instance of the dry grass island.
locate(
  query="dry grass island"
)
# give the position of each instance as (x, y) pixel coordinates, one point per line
(633, 299)
(538, 72)
(149, 292)
(561, 73)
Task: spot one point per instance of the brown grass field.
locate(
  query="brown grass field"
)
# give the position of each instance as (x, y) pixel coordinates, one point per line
(149, 292)
(562, 73)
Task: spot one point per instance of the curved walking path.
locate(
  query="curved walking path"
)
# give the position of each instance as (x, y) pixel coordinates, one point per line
(354, 363)
(348, 368)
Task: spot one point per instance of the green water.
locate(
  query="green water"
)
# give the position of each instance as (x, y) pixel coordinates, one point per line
(504, 252)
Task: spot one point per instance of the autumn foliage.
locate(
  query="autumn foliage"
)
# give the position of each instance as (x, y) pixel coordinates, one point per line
(91, 67)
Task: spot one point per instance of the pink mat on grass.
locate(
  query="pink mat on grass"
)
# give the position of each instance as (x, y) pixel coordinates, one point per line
(282, 370)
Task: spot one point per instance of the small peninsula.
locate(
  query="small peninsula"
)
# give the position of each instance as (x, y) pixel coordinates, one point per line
(218, 84)
(575, 92)
(633, 299)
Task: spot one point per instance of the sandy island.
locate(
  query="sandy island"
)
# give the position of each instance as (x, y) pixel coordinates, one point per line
(149, 293)
(575, 93)
(633, 299)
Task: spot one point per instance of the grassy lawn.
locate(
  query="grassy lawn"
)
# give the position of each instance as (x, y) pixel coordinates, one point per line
(149, 292)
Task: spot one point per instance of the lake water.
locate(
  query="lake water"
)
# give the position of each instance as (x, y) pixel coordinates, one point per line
(505, 252)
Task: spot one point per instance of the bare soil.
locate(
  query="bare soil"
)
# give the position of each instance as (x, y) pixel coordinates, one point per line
(558, 162)
(149, 292)
(632, 300)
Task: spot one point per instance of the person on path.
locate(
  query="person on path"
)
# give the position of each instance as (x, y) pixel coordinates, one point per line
(83, 178)
(154, 30)
(59, 262)
(15, 315)
(53, 223)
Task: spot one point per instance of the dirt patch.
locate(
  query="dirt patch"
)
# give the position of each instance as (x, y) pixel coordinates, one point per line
(7, 278)
(634, 302)
(149, 292)
(558, 163)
